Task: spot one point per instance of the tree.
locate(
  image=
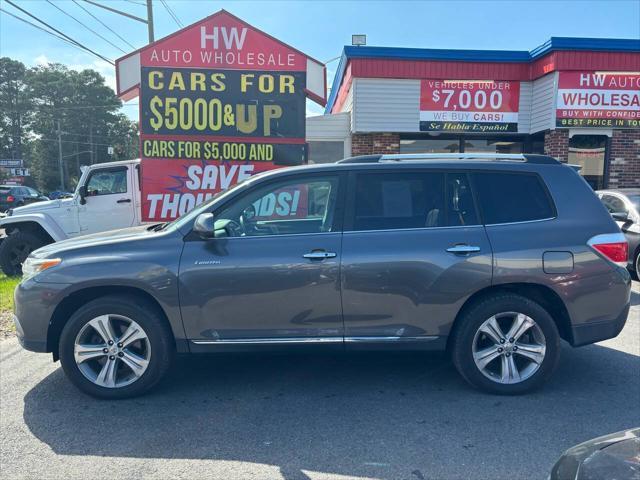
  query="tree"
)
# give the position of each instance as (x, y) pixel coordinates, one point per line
(15, 108)
(35, 101)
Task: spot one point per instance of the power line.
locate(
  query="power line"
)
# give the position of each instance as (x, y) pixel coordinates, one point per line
(82, 107)
(171, 12)
(60, 33)
(85, 26)
(136, 3)
(73, 141)
(103, 24)
(40, 28)
(87, 134)
(119, 12)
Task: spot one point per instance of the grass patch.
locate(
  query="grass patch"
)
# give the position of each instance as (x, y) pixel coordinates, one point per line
(7, 285)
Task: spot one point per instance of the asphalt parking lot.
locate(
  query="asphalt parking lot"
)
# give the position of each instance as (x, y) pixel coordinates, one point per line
(392, 416)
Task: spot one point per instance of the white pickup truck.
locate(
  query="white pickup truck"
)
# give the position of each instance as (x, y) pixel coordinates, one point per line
(107, 198)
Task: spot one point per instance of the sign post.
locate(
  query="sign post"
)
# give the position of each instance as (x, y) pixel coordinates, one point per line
(219, 101)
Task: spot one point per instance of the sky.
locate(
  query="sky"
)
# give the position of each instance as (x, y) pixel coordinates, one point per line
(317, 28)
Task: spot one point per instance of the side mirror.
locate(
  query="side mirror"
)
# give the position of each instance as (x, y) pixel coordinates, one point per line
(204, 225)
(620, 216)
(82, 191)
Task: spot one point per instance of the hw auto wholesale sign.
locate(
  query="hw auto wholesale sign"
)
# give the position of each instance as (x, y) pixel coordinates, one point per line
(599, 100)
(219, 102)
(469, 105)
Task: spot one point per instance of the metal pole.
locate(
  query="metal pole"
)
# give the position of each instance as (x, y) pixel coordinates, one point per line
(150, 20)
(60, 157)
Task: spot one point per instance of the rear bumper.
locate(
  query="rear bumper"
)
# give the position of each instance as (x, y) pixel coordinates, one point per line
(588, 333)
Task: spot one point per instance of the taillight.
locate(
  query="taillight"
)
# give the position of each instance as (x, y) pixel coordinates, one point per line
(10, 198)
(613, 246)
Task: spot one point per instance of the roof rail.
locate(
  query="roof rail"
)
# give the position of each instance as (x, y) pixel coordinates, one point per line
(424, 157)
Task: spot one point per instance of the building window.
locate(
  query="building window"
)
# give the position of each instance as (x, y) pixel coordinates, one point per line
(494, 145)
(447, 143)
(325, 152)
(589, 151)
(429, 145)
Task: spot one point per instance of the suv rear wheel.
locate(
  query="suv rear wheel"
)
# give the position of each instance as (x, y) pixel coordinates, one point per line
(506, 344)
(116, 347)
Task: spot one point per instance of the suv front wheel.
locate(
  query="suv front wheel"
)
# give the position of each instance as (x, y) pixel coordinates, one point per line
(506, 344)
(116, 347)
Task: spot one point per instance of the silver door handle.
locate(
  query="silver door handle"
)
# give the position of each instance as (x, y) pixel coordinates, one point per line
(319, 255)
(463, 249)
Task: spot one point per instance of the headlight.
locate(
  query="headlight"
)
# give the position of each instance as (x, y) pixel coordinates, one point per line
(33, 266)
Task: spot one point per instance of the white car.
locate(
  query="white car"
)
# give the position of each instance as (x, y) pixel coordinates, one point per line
(107, 198)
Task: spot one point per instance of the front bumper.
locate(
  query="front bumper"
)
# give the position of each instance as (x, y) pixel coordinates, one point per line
(35, 304)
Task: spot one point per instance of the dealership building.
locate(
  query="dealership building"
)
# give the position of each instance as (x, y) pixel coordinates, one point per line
(576, 99)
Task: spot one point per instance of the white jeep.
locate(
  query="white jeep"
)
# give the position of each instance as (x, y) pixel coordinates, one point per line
(107, 198)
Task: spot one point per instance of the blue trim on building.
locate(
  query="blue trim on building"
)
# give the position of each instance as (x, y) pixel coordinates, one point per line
(502, 56)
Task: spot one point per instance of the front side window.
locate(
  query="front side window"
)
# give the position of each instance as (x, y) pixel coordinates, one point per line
(512, 197)
(385, 201)
(635, 200)
(107, 182)
(288, 207)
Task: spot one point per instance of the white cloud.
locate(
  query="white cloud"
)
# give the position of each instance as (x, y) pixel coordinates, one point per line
(104, 68)
(41, 60)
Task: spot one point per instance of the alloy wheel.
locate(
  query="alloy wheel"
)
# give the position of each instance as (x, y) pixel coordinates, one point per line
(509, 347)
(112, 351)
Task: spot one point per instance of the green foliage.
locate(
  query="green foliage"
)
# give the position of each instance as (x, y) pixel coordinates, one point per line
(7, 285)
(34, 101)
(15, 108)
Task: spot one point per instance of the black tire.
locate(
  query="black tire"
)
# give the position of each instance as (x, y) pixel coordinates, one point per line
(145, 315)
(636, 273)
(470, 322)
(15, 249)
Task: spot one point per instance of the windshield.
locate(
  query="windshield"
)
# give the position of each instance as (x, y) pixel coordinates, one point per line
(635, 199)
(203, 207)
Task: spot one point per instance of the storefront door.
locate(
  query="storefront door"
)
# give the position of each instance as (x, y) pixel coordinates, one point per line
(590, 152)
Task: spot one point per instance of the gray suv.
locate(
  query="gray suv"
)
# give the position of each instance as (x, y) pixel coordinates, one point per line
(493, 258)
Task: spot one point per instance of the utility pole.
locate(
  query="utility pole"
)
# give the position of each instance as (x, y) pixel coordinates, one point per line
(60, 158)
(150, 19)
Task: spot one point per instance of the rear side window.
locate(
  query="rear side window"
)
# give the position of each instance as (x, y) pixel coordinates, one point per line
(512, 197)
(386, 201)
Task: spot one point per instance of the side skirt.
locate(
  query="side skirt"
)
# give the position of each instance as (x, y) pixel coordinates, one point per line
(428, 343)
